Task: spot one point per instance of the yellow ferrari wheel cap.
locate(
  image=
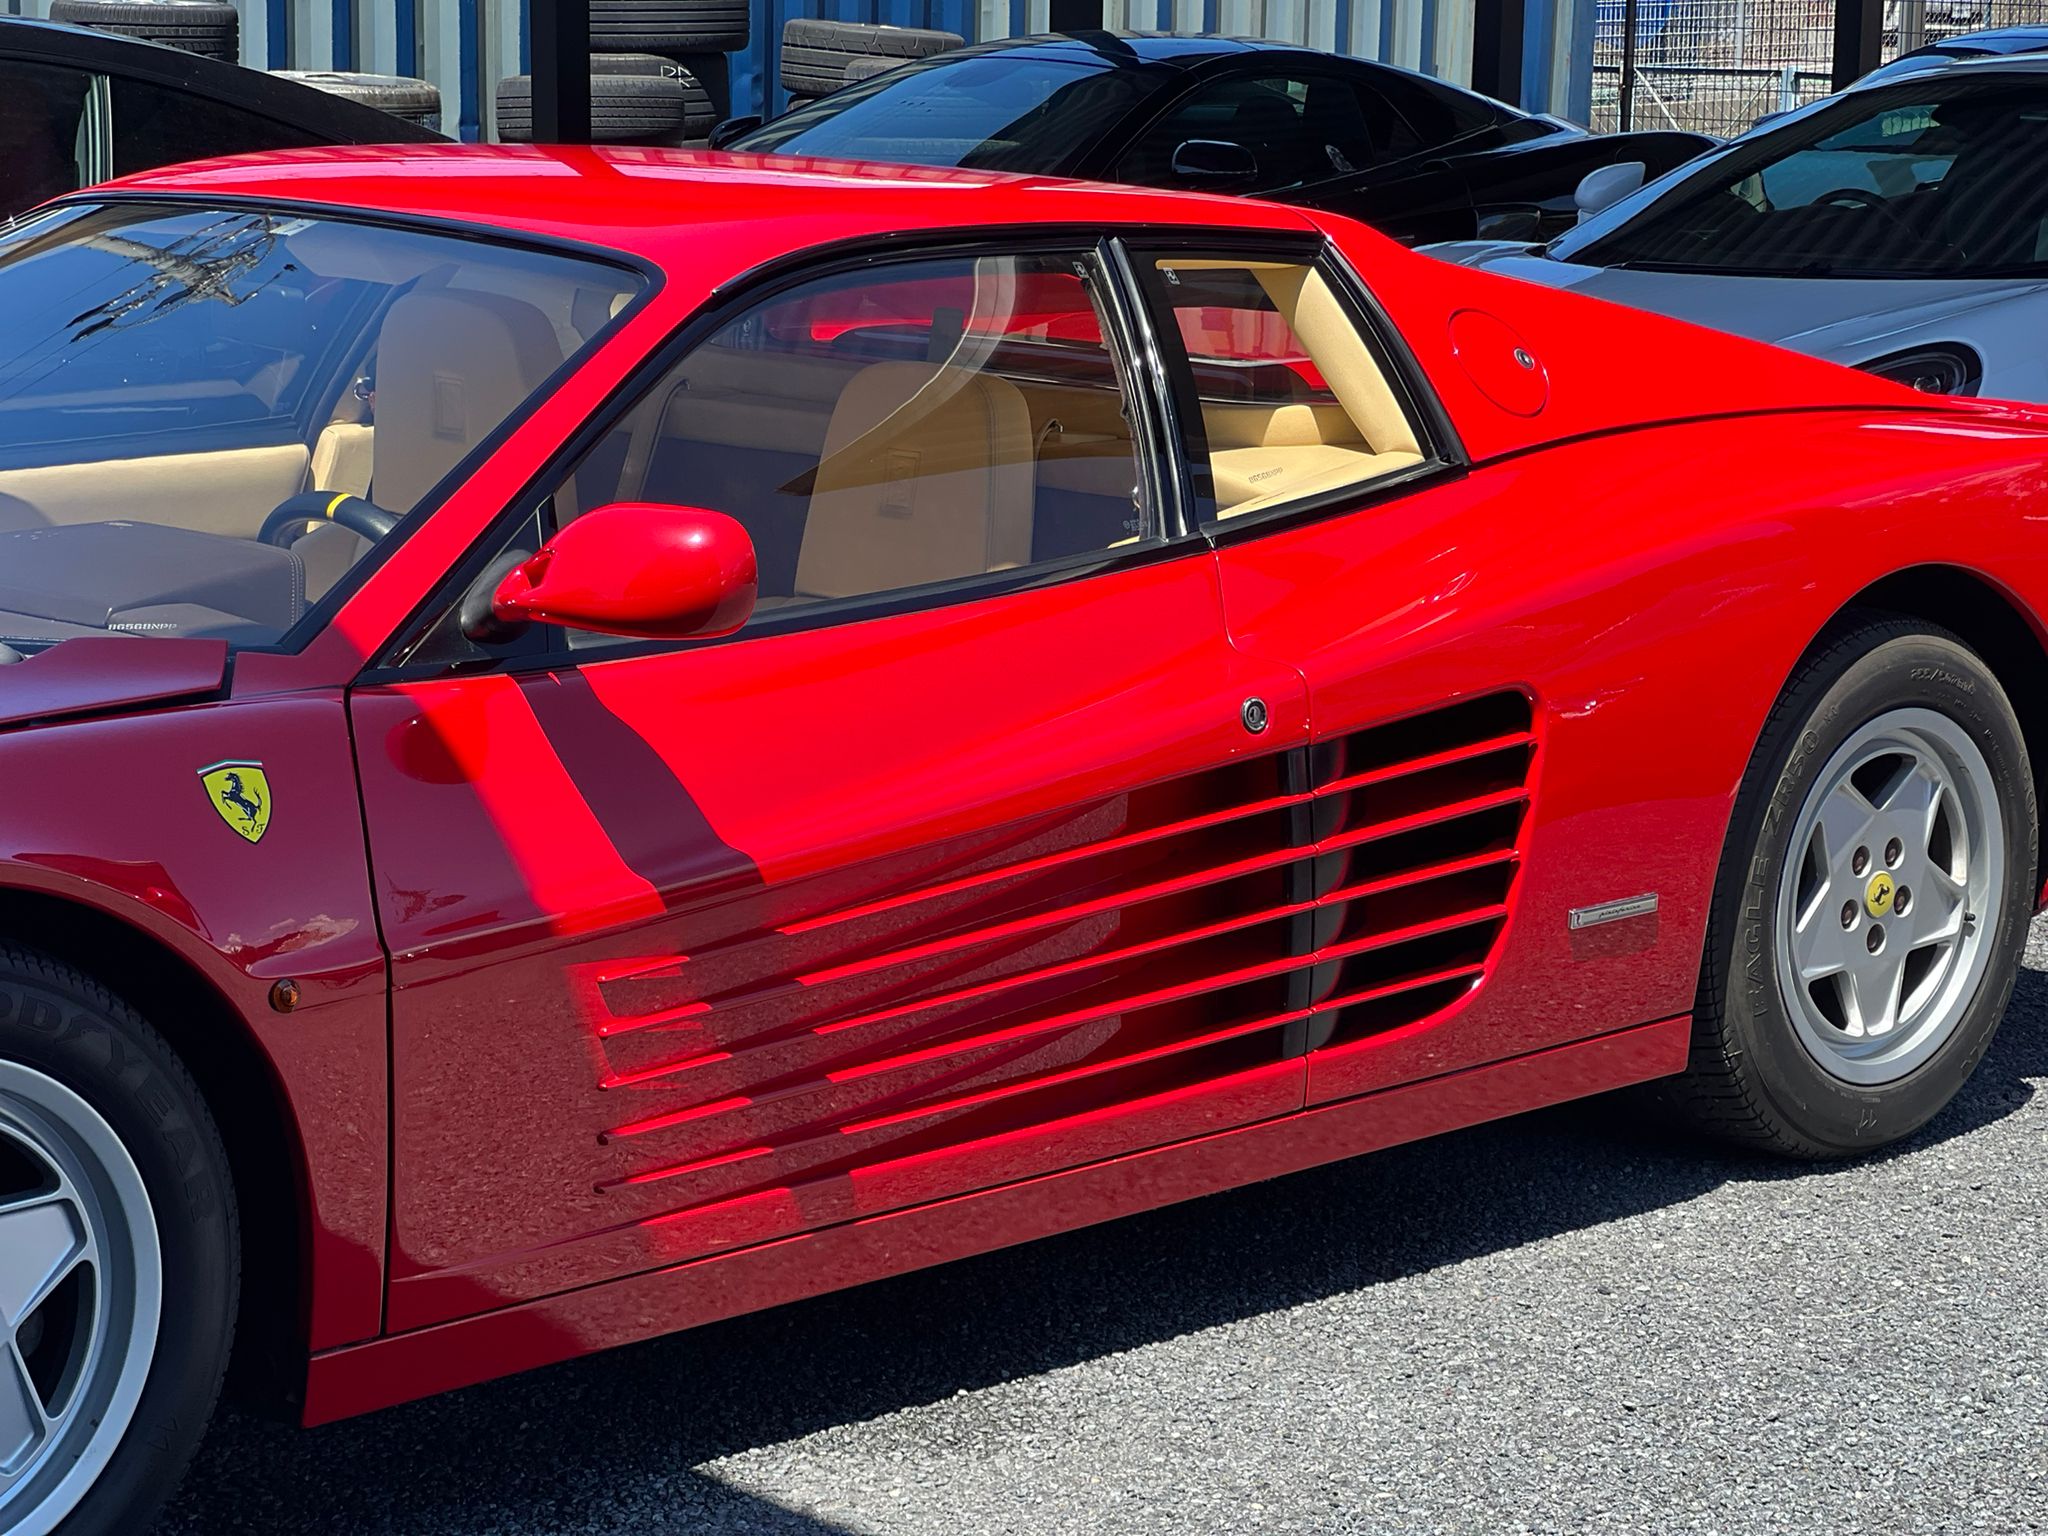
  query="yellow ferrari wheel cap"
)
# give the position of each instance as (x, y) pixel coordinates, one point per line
(241, 794)
(1877, 897)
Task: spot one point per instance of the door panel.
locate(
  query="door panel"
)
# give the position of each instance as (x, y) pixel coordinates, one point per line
(702, 948)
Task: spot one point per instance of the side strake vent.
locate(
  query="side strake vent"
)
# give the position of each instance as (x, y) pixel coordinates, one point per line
(1416, 829)
(1126, 949)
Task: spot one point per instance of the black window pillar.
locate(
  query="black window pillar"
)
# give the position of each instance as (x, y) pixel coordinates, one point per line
(1498, 31)
(560, 46)
(1859, 38)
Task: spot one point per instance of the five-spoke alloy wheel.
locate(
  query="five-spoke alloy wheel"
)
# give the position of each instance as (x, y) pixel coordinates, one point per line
(1873, 897)
(1896, 876)
(81, 1293)
(119, 1257)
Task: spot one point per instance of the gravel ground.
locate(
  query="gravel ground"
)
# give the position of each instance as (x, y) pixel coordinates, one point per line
(1568, 1323)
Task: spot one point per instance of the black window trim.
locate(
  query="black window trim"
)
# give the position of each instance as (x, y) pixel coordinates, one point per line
(1443, 455)
(1173, 537)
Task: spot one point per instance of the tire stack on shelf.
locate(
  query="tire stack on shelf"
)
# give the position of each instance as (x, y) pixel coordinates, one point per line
(416, 101)
(818, 57)
(210, 28)
(658, 72)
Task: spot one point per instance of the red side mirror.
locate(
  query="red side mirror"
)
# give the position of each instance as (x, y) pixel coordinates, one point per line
(638, 568)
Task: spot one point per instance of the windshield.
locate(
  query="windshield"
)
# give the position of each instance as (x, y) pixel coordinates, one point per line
(1006, 111)
(1927, 178)
(207, 416)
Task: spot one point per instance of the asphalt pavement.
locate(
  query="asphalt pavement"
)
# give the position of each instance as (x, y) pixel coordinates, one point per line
(1571, 1322)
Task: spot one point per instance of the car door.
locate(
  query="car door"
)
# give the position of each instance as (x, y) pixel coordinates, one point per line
(1423, 601)
(966, 859)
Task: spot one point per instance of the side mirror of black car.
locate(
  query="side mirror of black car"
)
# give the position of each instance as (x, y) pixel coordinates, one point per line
(733, 128)
(1214, 160)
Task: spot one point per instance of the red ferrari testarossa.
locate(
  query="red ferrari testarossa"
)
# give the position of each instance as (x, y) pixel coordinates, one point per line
(595, 741)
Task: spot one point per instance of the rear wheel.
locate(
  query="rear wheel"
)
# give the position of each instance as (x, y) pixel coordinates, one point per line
(117, 1258)
(1873, 899)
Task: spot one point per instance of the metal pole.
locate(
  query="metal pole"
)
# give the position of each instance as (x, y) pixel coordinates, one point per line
(1628, 65)
(1912, 25)
(1859, 39)
(561, 71)
(1499, 30)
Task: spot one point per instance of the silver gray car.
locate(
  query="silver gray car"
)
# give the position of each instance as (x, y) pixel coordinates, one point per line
(1900, 227)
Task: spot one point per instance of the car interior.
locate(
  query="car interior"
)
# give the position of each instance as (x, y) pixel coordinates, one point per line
(1888, 183)
(964, 417)
(215, 441)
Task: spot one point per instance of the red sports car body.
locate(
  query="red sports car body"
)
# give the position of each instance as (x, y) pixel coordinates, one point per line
(1370, 776)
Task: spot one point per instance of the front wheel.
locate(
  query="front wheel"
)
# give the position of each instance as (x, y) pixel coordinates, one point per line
(1873, 900)
(118, 1258)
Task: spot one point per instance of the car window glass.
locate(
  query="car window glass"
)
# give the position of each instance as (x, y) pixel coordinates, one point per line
(1903, 182)
(1292, 397)
(45, 125)
(892, 428)
(1298, 129)
(207, 415)
(1011, 111)
(157, 125)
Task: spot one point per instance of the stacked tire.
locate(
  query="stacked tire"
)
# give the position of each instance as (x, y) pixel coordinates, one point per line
(415, 101)
(675, 28)
(210, 28)
(818, 57)
(635, 98)
(658, 72)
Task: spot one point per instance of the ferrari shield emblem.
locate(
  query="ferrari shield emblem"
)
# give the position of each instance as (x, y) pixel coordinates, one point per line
(241, 794)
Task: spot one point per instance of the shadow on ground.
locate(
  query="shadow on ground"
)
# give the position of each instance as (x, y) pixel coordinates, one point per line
(574, 1446)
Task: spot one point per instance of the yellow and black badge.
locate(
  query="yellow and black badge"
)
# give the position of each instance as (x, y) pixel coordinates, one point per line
(241, 794)
(1877, 897)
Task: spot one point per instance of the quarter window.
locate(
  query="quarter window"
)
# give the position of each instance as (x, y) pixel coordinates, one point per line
(892, 428)
(1292, 398)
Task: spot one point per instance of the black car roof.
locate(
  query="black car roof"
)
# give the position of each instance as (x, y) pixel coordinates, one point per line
(1114, 47)
(319, 113)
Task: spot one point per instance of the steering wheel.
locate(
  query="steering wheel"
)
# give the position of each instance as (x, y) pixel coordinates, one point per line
(291, 518)
(1856, 197)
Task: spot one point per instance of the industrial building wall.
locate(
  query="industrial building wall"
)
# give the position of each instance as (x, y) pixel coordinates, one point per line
(464, 46)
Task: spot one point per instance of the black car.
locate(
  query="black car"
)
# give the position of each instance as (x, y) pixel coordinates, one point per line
(79, 106)
(1416, 157)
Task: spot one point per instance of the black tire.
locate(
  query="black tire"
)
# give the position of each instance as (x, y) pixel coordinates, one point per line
(415, 101)
(1750, 1079)
(634, 99)
(210, 28)
(669, 26)
(815, 54)
(66, 1026)
(868, 67)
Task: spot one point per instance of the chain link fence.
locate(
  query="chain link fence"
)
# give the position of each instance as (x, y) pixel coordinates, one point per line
(1716, 66)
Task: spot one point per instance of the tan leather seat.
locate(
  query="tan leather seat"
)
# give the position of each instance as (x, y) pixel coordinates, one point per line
(927, 476)
(1262, 455)
(343, 457)
(451, 365)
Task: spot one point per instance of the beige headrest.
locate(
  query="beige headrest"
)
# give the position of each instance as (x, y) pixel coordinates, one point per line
(927, 475)
(450, 367)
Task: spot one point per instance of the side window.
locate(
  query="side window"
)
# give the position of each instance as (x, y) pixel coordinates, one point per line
(45, 129)
(1292, 397)
(157, 125)
(1299, 129)
(891, 428)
